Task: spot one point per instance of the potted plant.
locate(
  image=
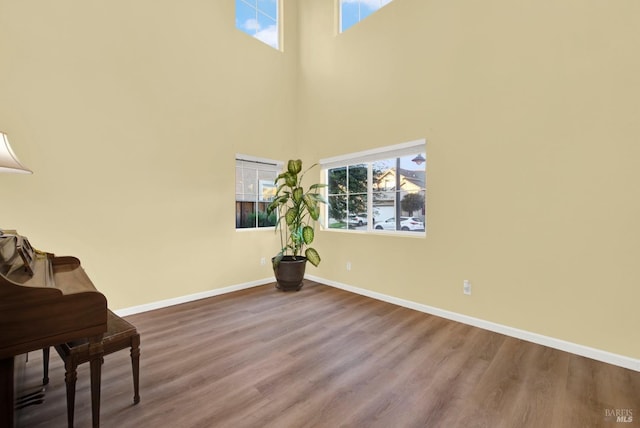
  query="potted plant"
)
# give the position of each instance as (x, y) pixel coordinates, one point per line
(298, 210)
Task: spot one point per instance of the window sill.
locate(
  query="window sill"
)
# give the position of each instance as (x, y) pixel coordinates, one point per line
(375, 232)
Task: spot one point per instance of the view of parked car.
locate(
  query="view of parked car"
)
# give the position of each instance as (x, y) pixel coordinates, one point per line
(406, 223)
(357, 219)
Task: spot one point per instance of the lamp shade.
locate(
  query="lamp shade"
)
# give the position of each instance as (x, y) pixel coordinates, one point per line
(8, 160)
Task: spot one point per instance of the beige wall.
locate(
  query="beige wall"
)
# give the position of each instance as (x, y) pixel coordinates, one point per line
(530, 110)
(130, 114)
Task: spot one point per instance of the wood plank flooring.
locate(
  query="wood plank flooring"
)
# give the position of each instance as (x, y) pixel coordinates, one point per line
(324, 357)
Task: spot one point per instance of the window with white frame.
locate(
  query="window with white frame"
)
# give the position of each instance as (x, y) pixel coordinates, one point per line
(259, 19)
(381, 190)
(255, 189)
(354, 11)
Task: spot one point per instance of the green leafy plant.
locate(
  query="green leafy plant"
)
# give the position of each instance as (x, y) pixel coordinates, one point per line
(298, 210)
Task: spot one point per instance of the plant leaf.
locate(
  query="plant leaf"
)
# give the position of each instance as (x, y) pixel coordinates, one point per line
(280, 177)
(278, 201)
(314, 213)
(290, 179)
(318, 186)
(294, 166)
(298, 192)
(312, 255)
(312, 206)
(317, 197)
(290, 216)
(307, 234)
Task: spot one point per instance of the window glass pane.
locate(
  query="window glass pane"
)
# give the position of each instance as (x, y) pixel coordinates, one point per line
(413, 175)
(266, 185)
(367, 8)
(259, 19)
(239, 180)
(245, 216)
(384, 178)
(337, 212)
(387, 223)
(249, 181)
(412, 192)
(265, 220)
(357, 208)
(413, 205)
(350, 15)
(267, 30)
(383, 207)
(357, 203)
(269, 8)
(266, 175)
(243, 197)
(246, 19)
(357, 178)
(387, 182)
(267, 190)
(354, 11)
(337, 181)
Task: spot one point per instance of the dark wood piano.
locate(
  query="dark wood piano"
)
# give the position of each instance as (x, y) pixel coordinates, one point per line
(45, 301)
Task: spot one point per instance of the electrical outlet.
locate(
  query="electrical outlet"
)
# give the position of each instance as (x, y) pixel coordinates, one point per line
(263, 261)
(348, 266)
(466, 287)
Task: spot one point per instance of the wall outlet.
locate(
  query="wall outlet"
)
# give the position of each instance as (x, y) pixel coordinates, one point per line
(263, 261)
(348, 266)
(466, 287)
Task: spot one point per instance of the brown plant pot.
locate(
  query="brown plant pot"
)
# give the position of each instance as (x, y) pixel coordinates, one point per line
(290, 273)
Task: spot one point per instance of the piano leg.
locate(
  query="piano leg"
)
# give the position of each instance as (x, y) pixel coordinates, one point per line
(6, 392)
(70, 378)
(96, 352)
(45, 365)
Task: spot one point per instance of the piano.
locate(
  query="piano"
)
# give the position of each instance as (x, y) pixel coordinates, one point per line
(45, 300)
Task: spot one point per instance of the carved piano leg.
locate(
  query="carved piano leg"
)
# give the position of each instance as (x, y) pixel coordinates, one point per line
(135, 367)
(6, 392)
(70, 378)
(45, 365)
(96, 353)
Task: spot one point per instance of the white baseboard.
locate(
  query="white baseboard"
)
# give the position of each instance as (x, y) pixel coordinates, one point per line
(190, 297)
(574, 348)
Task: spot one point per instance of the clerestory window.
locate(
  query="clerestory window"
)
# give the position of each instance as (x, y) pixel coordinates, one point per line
(259, 19)
(354, 11)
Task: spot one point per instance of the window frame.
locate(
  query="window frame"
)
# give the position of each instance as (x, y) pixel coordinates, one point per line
(247, 162)
(368, 158)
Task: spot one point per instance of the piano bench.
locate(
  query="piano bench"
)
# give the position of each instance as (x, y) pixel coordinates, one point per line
(120, 334)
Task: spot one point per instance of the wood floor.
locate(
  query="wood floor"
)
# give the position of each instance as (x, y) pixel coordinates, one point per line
(324, 357)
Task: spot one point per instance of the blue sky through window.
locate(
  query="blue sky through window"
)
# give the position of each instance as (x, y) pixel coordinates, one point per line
(259, 19)
(354, 11)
